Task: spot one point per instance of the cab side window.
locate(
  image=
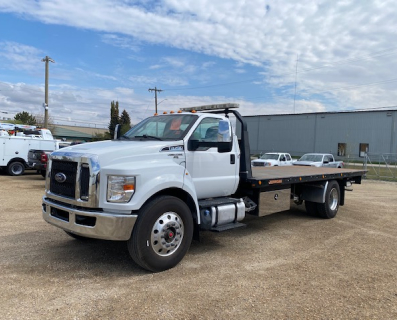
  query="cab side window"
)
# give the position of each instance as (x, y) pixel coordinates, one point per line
(210, 133)
(207, 130)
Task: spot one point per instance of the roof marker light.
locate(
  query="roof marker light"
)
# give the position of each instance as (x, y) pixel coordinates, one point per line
(219, 106)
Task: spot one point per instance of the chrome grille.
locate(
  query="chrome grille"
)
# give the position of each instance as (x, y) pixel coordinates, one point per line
(68, 187)
(258, 164)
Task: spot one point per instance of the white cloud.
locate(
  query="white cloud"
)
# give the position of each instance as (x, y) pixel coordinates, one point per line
(339, 44)
(18, 56)
(121, 42)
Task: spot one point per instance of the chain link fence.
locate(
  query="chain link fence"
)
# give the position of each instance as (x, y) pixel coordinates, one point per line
(379, 166)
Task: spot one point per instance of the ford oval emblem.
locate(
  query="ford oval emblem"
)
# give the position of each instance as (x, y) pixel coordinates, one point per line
(60, 177)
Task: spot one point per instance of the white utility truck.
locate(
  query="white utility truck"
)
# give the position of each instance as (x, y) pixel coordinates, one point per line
(172, 176)
(14, 147)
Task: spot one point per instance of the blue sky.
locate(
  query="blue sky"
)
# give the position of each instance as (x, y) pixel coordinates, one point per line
(271, 57)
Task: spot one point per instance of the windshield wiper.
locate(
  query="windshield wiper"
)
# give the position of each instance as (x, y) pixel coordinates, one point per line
(146, 137)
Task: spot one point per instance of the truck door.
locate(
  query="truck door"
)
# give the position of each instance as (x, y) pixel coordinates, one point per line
(214, 171)
(282, 160)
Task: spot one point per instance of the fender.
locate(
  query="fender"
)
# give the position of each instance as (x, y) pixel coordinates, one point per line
(151, 178)
(188, 186)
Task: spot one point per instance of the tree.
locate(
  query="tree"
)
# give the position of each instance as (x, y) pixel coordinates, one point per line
(114, 117)
(125, 122)
(25, 118)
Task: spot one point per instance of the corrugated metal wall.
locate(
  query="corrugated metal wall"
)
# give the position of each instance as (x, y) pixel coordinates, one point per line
(321, 132)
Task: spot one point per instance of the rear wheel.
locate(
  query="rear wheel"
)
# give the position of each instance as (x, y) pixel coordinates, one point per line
(162, 234)
(329, 208)
(16, 168)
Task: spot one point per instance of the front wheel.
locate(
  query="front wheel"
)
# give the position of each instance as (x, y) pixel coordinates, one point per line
(162, 234)
(329, 208)
(16, 168)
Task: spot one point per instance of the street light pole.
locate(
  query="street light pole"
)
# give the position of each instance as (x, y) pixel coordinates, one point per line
(46, 60)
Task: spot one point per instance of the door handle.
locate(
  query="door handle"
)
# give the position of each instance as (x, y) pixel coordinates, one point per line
(232, 159)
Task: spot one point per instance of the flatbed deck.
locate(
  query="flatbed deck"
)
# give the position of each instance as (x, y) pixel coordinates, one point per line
(273, 176)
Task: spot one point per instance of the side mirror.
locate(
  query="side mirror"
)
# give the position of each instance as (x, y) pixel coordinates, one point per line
(193, 145)
(224, 130)
(225, 147)
(117, 129)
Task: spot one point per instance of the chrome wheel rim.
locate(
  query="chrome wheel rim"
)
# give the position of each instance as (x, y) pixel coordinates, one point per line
(167, 234)
(333, 199)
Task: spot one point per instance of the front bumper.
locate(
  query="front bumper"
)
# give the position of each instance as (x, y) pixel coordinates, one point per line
(89, 223)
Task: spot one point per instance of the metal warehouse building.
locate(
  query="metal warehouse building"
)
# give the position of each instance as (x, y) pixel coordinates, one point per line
(344, 134)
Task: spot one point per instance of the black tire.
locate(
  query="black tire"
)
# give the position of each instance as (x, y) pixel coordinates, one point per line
(311, 208)
(16, 168)
(162, 234)
(329, 209)
(76, 236)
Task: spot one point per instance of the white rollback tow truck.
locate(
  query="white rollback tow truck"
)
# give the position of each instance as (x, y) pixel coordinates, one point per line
(172, 176)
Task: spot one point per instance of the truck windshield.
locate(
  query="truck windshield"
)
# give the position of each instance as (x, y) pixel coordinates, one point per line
(267, 156)
(164, 127)
(311, 157)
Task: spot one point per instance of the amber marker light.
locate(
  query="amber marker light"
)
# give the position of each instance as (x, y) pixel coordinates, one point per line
(128, 187)
(165, 112)
(172, 112)
(179, 111)
(194, 111)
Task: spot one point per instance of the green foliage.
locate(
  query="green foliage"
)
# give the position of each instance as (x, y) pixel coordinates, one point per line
(114, 117)
(25, 118)
(123, 120)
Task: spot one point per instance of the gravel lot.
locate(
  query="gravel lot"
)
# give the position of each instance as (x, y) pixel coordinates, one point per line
(284, 266)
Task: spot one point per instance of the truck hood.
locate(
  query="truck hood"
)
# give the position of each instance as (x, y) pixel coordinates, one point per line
(304, 163)
(108, 152)
(265, 160)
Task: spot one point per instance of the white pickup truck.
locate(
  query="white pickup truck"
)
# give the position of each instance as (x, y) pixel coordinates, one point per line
(171, 177)
(319, 160)
(272, 159)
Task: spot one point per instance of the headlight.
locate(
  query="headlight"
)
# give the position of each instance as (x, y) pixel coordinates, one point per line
(120, 188)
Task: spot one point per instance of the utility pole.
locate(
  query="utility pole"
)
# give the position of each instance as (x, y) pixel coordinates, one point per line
(46, 60)
(155, 95)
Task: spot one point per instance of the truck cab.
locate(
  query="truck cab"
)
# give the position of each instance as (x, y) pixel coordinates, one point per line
(101, 189)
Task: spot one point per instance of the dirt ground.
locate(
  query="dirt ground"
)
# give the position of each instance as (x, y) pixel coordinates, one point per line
(284, 266)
